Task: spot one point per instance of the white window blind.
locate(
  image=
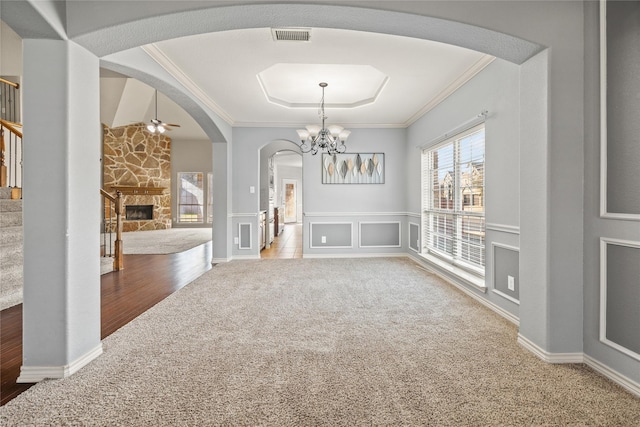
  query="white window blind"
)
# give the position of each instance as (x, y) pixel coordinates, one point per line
(453, 175)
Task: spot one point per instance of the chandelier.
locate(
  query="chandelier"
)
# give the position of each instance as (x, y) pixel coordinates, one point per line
(329, 139)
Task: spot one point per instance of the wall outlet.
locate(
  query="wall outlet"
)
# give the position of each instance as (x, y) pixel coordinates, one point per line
(324, 239)
(511, 283)
(235, 240)
(252, 189)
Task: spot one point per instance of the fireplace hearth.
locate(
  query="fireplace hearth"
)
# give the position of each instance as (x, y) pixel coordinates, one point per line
(138, 212)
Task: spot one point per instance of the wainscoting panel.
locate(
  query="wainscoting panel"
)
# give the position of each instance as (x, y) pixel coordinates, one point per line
(380, 234)
(414, 236)
(506, 261)
(331, 235)
(244, 235)
(620, 152)
(620, 295)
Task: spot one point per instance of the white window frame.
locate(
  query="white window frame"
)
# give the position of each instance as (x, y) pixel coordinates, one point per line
(179, 204)
(428, 209)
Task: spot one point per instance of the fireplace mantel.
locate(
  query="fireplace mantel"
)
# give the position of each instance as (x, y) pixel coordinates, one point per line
(138, 191)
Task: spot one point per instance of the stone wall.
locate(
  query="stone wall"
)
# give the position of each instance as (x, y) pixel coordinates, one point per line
(134, 157)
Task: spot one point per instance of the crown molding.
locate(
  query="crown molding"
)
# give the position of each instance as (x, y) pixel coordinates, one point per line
(170, 67)
(471, 72)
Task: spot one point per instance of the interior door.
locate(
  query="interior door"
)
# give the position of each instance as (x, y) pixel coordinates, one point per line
(290, 201)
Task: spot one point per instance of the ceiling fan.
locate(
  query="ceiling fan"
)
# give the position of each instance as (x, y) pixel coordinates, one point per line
(156, 125)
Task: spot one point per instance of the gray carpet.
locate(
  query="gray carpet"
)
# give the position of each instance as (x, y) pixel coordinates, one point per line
(321, 342)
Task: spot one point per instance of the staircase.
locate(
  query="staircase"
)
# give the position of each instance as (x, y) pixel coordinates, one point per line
(11, 258)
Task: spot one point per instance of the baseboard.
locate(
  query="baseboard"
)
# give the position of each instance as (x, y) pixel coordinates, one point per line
(245, 257)
(219, 260)
(491, 306)
(547, 356)
(34, 374)
(356, 255)
(625, 382)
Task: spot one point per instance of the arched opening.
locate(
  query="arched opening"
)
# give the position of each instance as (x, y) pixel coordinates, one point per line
(286, 203)
(281, 200)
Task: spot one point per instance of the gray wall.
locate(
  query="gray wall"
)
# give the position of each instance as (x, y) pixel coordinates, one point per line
(598, 227)
(189, 156)
(355, 203)
(496, 89)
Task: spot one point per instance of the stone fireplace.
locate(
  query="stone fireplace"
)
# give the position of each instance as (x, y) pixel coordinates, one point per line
(138, 164)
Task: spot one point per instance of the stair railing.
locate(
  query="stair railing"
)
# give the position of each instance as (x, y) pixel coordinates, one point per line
(9, 100)
(11, 157)
(112, 222)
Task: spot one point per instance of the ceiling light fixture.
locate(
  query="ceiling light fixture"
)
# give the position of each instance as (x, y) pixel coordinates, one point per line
(329, 139)
(158, 126)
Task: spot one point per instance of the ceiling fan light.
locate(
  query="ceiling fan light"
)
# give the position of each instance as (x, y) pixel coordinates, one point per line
(161, 128)
(314, 130)
(151, 128)
(335, 130)
(303, 134)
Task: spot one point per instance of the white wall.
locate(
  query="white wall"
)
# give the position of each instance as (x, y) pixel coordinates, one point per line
(10, 52)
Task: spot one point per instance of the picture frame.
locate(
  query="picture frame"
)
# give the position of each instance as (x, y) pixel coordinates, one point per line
(353, 168)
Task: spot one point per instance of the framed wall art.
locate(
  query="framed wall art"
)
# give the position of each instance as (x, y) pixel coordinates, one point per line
(353, 168)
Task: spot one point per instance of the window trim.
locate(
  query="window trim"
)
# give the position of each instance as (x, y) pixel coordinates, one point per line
(178, 204)
(445, 260)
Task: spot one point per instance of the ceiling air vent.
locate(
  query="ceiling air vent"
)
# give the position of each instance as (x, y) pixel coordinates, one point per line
(291, 34)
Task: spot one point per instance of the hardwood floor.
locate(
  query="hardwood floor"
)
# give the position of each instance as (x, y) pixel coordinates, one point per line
(286, 245)
(145, 281)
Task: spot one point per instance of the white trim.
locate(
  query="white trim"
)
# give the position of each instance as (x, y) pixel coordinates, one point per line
(170, 67)
(480, 65)
(34, 374)
(240, 247)
(244, 215)
(603, 124)
(505, 296)
(615, 376)
(603, 108)
(469, 126)
(245, 257)
(413, 215)
(356, 255)
(219, 260)
(604, 241)
(503, 228)
(399, 245)
(493, 270)
(349, 214)
(547, 356)
(417, 249)
(311, 224)
(465, 289)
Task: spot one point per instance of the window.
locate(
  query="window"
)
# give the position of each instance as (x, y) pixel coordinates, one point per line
(190, 203)
(453, 200)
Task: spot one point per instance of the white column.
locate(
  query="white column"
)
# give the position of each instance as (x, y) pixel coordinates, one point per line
(61, 311)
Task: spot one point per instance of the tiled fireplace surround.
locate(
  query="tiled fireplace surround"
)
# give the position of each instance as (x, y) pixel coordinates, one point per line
(136, 158)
